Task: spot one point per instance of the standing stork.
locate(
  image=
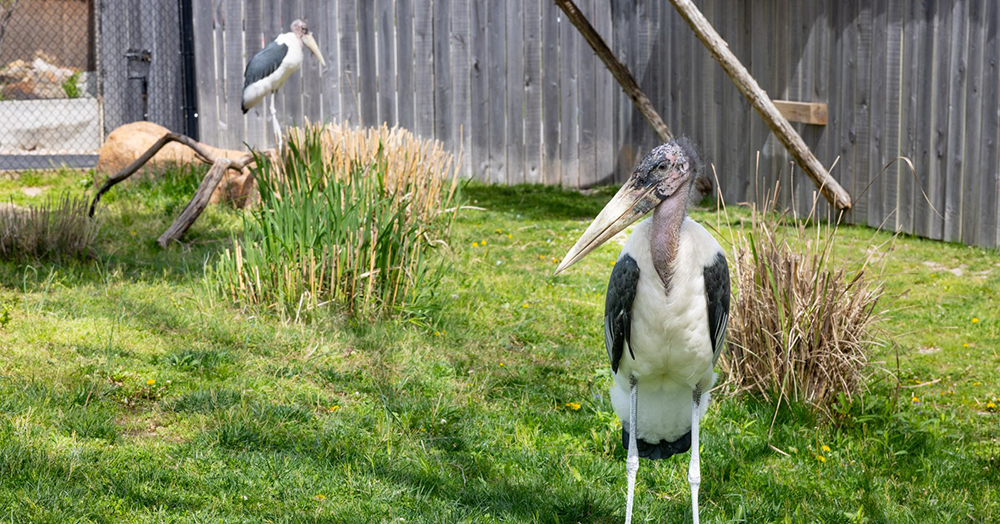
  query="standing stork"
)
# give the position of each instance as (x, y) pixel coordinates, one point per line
(268, 70)
(665, 312)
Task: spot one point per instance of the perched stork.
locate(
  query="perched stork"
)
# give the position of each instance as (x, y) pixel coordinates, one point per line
(268, 70)
(665, 313)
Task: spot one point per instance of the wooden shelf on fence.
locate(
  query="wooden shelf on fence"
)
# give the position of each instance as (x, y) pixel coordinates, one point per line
(803, 112)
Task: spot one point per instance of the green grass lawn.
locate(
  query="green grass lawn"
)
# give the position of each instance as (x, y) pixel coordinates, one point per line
(129, 393)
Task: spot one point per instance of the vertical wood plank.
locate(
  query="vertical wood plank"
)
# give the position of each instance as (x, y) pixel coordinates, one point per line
(312, 83)
(920, 28)
(703, 96)
(605, 91)
(588, 106)
(204, 55)
(292, 114)
(569, 115)
(367, 64)
(515, 93)
(497, 23)
(551, 165)
(941, 15)
(889, 146)
(955, 129)
(443, 110)
(386, 62)
(864, 27)
(877, 117)
(423, 56)
(973, 110)
(462, 116)
(762, 61)
(234, 73)
(786, 86)
(532, 91)
(347, 25)
(330, 76)
(404, 64)
(479, 84)
(988, 232)
(843, 75)
(624, 45)
(816, 88)
(256, 135)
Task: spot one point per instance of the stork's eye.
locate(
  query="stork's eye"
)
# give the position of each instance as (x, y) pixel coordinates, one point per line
(661, 166)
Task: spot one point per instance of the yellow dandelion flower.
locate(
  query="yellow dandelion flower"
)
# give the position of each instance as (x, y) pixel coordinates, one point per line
(612, 262)
(821, 458)
(965, 345)
(977, 383)
(825, 448)
(319, 496)
(573, 405)
(501, 364)
(510, 235)
(554, 260)
(499, 231)
(483, 243)
(524, 306)
(914, 399)
(475, 244)
(334, 408)
(975, 319)
(991, 406)
(150, 382)
(437, 333)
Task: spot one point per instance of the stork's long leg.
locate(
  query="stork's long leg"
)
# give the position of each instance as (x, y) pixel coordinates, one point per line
(277, 126)
(632, 462)
(694, 468)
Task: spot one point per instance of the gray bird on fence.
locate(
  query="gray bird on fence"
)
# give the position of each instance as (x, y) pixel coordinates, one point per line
(665, 312)
(268, 70)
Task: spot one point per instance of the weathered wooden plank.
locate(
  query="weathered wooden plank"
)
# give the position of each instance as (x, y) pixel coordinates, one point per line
(889, 147)
(386, 49)
(787, 37)
(479, 85)
(443, 110)
(515, 93)
(551, 165)
(347, 25)
(624, 45)
(703, 96)
(588, 106)
(330, 76)
(955, 127)
(204, 56)
(423, 59)
(911, 193)
(988, 232)
(497, 34)
(814, 113)
(234, 74)
(292, 114)
(877, 116)
(312, 84)
(941, 19)
(817, 88)
(606, 88)
(532, 91)
(762, 61)
(863, 177)
(404, 64)
(973, 110)
(570, 43)
(256, 128)
(843, 75)
(462, 116)
(367, 61)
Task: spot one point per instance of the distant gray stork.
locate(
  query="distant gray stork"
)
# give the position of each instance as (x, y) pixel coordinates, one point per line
(667, 304)
(268, 70)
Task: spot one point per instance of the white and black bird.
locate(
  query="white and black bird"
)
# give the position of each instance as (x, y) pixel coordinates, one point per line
(665, 313)
(268, 70)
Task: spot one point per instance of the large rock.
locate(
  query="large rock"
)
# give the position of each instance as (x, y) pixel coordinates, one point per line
(130, 141)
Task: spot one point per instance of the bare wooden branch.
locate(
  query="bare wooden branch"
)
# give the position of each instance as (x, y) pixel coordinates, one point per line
(197, 204)
(618, 69)
(747, 85)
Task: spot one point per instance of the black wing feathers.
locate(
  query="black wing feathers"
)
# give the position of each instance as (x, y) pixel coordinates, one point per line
(264, 63)
(717, 295)
(618, 309)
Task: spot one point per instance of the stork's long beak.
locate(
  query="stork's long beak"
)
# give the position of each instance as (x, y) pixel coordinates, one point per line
(628, 205)
(310, 42)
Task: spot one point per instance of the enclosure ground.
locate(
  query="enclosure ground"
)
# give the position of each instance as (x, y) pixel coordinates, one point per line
(129, 393)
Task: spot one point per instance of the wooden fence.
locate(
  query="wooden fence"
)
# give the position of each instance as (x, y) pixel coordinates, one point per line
(513, 86)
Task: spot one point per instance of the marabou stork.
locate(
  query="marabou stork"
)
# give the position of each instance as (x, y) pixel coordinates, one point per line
(665, 312)
(268, 70)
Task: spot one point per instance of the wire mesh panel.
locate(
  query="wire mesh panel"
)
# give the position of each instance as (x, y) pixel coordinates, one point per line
(72, 71)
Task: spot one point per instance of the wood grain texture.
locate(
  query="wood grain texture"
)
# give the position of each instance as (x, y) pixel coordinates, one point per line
(515, 93)
(367, 62)
(386, 50)
(551, 165)
(330, 76)
(234, 74)
(423, 67)
(347, 29)
(497, 24)
(405, 113)
(532, 18)
(479, 86)
(204, 55)
(570, 44)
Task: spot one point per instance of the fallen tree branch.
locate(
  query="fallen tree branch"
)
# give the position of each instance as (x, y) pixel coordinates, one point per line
(197, 203)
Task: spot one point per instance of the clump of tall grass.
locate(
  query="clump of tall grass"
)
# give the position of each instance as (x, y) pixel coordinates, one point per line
(58, 228)
(803, 323)
(348, 218)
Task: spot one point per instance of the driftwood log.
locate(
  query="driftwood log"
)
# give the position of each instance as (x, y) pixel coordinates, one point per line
(201, 197)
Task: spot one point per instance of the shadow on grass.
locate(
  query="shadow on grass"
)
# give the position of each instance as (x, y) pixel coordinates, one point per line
(539, 202)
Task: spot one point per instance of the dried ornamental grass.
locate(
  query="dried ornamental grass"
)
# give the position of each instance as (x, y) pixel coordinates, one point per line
(803, 326)
(55, 229)
(348, 217)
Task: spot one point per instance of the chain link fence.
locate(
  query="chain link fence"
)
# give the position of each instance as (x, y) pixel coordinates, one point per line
(72, 71)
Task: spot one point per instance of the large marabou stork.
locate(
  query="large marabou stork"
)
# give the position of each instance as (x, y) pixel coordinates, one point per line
(268, 70)
(665, 312)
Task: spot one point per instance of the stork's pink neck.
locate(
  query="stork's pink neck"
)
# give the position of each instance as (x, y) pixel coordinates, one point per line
(668, 216)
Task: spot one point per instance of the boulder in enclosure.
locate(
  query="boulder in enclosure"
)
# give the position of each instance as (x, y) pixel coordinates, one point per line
(130, 141)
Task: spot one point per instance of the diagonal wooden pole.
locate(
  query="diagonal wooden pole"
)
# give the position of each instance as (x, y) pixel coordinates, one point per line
(747, 85)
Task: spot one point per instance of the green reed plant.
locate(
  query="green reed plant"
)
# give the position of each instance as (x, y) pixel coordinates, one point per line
(348, 218)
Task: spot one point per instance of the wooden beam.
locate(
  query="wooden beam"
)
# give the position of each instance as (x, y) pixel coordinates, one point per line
(747, 85)
(802, 112)
(618, 69)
